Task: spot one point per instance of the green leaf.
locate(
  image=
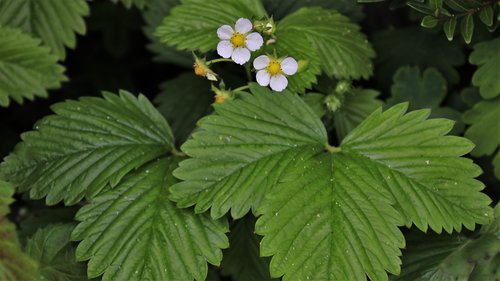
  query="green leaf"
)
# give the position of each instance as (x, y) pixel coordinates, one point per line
(429, 22)
(26, 69)
(153, 14)
(417, 47)
(128, 3)
(240, 151)
(300, 49)
(421, 90)
(87, 144)
(316, 102)
(281, 8)
(51, 248)
(357, 104)
(14, 264)
(193, 24)
(334, 216)
(54, 21)
(484, 130)
(450, 257)
(449, 28)
(242, 260)
(37, 217)
(183, 101)
(487, 58)
(467, 28)
(486, 15)
(496, 165)
(343, 50)
(133, 232)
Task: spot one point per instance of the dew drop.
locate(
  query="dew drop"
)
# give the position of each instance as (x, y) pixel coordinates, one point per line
(427, 162)
(318, 215)
(147, 171)
(276, 214)
(107, 117)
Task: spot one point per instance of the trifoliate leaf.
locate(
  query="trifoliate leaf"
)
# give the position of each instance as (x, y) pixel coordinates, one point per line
(242, 260)
(183, 101)
(357, 104)
(443, 257)
(26, 69)
(278, 9)
(484, 130)
(288, 44)
(334, 216)
(239, 152)
(153, 14)
(54, 21)
(51, 248)
(193, 24)
(418, 47)
(14, 264)
(487, 57)
(87, 144)
(343, 50)
(133, 232)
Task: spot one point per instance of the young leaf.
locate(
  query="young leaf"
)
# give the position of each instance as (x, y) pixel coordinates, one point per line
(281, 8)
(486, 15)
(429, 22)
(487, 57)
(242, 260)
(183, 101)
(467, 28)
(357, 104)
(133, 232)
(193, 24)
(449, 28)
(54, 21)
(343, 50)
(239, 152)
(153, 14)
(26, 69)
(51, 248)
(418, 47)
(87, 144)
(14, 264)
(484, 130)
(334, 216)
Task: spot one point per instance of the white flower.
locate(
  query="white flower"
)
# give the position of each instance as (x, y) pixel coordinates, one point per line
(237, 43)
(271, 71)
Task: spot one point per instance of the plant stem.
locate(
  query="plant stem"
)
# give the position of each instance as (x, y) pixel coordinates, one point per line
(469, 11)
(177, 152)
(332, 149)
(241, 88)
(249, 73)
(218, 60)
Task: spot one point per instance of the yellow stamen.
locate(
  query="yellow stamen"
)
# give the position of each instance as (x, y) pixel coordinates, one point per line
(200, 69)
(274, 68)
(237, 39)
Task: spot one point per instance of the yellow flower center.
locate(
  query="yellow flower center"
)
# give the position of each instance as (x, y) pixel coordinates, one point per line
(274, 67)
(238, 40)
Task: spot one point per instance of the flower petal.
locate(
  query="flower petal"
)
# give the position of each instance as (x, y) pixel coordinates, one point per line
(261, 62)
(243, 25)
(224, 49)
(279, 82)
(240, 55)
(254, 41)
(225, 32)
(263, 77)
(289, 66)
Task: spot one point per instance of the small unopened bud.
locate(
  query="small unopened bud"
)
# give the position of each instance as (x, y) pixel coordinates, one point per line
(222, 95)
(267, 26)
(343, 87)
(332, 103)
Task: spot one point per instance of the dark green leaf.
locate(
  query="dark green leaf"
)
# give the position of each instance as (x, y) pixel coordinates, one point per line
(484, 130)
(279, 9)
(449, 28)
(429, 22)
(467, 28)
(486, 15)
(487, 57)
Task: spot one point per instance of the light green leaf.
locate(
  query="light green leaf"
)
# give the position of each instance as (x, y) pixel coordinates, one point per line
(343, 50)
(486, 15)
(193, 24)
(484, 130)
(421, 90)
(467, 27)
(133, 232)
(281, 8)
(51, 248)
(418, 47)
(429, 22)
(26, 69)
(449, 28)
(153, 14)
(183, 101)
(240, 151)
(450, 257)
(242, 260)
(54, 21)
(357, 104)
(487, 57)
(87, 144)
(14, 264)
(394, 169)
(300, 49)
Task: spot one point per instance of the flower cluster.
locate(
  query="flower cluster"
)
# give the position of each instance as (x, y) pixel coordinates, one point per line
(237, 43)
